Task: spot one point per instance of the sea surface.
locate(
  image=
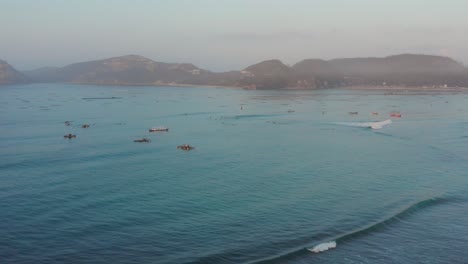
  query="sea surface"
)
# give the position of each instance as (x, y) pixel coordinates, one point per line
(273, 174)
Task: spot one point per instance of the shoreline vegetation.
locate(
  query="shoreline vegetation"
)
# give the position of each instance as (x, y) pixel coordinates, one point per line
(394, 73)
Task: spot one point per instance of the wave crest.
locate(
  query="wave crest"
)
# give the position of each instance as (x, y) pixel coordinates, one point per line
(323, 247)
(356, 233)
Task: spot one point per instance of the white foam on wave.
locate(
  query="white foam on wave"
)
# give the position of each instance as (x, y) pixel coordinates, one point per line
(323, 247)
(373, 125)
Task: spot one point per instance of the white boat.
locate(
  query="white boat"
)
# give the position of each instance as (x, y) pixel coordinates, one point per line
(159, 129)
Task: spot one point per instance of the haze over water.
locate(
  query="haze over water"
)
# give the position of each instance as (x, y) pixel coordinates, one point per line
(228, 35)
(272, 173)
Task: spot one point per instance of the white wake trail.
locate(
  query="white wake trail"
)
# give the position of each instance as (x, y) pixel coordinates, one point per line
(373, 125)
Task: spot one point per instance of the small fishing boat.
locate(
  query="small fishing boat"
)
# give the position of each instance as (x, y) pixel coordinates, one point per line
(159, 129)
(69, 136)
(142, 140)
(395, 114)
(185, 147)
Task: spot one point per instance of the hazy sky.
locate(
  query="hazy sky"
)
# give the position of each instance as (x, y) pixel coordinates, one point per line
(228, 34)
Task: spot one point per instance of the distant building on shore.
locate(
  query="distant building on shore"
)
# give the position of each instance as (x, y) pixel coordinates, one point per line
(195, 72)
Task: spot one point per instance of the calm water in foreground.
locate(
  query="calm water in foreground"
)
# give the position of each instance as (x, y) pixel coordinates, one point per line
(262, 185)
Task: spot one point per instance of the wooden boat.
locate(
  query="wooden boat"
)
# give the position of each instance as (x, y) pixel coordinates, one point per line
(69, 136)
(142, 140)
(185, 147)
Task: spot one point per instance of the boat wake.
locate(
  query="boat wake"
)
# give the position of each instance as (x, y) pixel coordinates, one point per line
(373, 125)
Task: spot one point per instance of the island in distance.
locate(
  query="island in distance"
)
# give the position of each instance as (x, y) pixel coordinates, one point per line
(408, 70)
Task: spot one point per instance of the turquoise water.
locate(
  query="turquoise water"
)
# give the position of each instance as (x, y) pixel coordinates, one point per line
(262, 184)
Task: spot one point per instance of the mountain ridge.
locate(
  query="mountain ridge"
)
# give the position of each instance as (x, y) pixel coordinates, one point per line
(401, 69)
(9, 75)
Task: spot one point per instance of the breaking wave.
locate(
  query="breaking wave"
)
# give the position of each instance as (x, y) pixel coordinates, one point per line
(333, 242)
(323, 247)
(405, 212)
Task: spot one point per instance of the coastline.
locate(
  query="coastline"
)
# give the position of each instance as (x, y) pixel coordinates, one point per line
(386, 89)
(407, 89)
(154, 85)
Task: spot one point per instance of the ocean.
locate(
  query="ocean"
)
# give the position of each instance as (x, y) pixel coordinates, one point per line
(274, 176)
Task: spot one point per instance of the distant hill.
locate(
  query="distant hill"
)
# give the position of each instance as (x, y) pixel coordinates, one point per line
(404, 63)
(8, 74)
(125, 70)
(402, 70)
(319, 72)
(405, 69)
(270, 74)
(269, 67)
(316, 67)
